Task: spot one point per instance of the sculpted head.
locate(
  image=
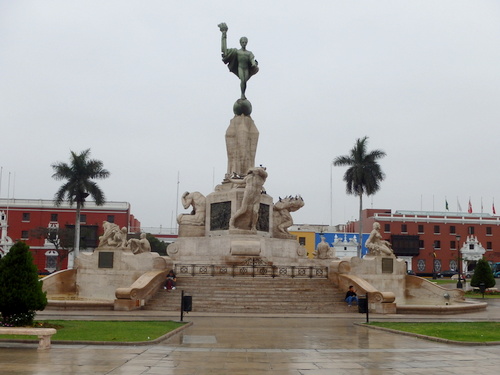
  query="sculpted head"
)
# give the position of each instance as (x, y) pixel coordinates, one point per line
(243, 42)
(376, 226)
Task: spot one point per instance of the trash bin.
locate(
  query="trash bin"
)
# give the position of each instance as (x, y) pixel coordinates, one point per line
(362, 304)
(187, 303)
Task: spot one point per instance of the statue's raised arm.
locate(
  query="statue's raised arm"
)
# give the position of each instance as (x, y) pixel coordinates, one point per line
(239, 61)
(223, 29)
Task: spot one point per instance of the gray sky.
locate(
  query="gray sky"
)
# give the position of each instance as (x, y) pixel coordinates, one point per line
(141, 84)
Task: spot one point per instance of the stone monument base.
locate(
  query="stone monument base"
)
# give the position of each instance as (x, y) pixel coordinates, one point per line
(231, 248)
(186, 230)
(106, 269)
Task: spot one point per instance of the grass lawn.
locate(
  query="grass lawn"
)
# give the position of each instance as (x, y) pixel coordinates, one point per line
(443, 281)
(480, 295)
(78, 330)
(457, 331)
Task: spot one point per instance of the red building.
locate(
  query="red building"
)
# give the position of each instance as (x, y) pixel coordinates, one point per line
(30, 220)
(429, 241)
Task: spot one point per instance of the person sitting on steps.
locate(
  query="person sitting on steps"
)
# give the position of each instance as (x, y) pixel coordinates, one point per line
(170, 282)
(351, 296)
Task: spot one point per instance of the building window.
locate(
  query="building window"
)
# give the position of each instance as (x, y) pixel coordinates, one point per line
(387, 228)
(453, 245)
(421, 265)
(302, 240)
(111, 218)
(437, 230)
(83, 218)
(437, 265)
(51, 260)
(420, 229)
(421, 244)
(453, 230)
(489, 245)
(26, 216)
(404, 228)
(453, 265)
(489, 231)
(437, 245)
(24, 234)
(53, 217)
(471, 230)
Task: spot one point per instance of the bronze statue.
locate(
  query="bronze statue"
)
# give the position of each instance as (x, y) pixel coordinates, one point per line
(239, 61)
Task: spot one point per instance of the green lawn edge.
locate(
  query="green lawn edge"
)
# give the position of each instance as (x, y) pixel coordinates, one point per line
(466, 333)
(125, 332)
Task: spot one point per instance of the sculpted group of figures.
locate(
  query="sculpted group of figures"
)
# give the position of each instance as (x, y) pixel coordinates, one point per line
(115, 237)
(247, 215)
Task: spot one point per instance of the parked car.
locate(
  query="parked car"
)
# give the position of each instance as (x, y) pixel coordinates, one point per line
(449, 273)
(411, 272)
(496, 274)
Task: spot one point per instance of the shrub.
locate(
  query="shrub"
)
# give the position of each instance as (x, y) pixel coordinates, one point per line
(20, 290)
(483, 274)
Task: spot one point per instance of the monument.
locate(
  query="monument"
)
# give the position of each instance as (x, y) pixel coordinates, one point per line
(238, 219)
(238, 227)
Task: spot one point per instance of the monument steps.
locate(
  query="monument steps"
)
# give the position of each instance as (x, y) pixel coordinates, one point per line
(259, 295)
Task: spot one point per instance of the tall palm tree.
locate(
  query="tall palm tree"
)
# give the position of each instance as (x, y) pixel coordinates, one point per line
(363, 175)
(79, 185)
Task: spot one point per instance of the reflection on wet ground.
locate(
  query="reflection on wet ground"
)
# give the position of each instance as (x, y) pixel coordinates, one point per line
(264, 345)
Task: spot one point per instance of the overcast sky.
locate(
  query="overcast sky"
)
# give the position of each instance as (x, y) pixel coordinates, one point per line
(141, 84)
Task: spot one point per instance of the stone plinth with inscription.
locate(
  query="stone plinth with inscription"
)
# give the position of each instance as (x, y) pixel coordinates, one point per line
(100, 273)
(221, 205)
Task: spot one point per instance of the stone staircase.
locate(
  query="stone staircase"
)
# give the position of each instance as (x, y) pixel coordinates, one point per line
(253, 295)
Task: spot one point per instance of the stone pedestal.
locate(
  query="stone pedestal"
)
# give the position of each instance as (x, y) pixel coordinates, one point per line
(241, 144)
(232, 248)
(186, 230)
(100, 273)
(224, 203)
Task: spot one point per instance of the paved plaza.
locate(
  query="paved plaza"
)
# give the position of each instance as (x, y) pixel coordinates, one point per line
(262, 344)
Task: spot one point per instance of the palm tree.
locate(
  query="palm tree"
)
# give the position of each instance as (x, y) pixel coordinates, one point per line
(79, 185)
(363, 175)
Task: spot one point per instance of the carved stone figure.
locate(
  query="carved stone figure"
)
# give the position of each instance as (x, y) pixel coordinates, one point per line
(282, 219)
(113, 236)
(197, 215)
(140, 245)
(239, 61)
(323, 250)
(376, 245)
(247, 215)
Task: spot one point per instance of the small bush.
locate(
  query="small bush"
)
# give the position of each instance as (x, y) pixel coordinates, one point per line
(20, 290)
(483, 274)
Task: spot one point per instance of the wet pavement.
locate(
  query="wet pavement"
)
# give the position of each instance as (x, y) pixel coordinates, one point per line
(261, 344)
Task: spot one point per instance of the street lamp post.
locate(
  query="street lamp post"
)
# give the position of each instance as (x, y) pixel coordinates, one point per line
(434, 277)
(459, 283)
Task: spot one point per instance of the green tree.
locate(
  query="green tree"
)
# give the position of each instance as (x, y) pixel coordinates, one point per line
(79, 176)
(20, 290)
(483, 274)
(363, 175)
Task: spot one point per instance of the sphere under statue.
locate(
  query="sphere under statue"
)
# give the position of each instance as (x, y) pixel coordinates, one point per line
(242, 107)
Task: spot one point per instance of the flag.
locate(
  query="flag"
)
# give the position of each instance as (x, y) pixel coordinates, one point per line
(446, 202)
(470, 207)
(481, 204)
(493, 207)
(459, 208)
